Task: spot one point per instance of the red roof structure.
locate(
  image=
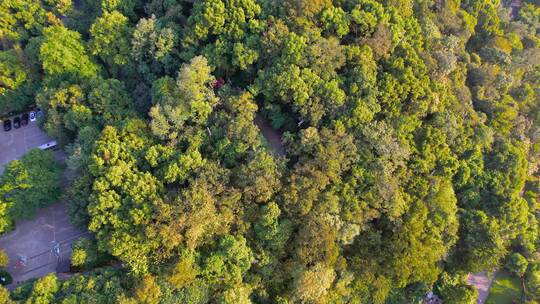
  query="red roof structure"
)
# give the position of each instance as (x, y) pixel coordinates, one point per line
(218, 83)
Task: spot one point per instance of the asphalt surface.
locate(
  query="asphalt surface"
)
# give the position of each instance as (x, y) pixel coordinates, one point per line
(43, 244)
(34, 242)
(15, 143)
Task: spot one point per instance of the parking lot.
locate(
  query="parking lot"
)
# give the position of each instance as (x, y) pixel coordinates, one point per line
(16, 142)
(43, 243)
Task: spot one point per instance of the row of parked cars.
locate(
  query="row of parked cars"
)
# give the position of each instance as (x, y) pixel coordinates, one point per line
(22, 120)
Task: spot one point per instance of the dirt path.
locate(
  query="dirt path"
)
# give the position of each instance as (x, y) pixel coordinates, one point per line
(482, 283)
(272, 136)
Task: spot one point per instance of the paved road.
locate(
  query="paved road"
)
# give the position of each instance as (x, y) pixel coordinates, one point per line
(35, 239)
(15, 143)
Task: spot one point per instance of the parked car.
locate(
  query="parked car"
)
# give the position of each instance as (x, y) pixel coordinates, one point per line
(17, 122)
(32, 116)
(50, 145)
(7, 125)
(24, 119)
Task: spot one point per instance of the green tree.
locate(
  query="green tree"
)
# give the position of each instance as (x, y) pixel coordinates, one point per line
(62, 51)
(314, 283)
(111, 38)
(483, 247)
(86, 255)
(12, 71)
(28, 184)
(233, 131)
(148, 291)
(270, 230)
(166, 10)
(18, 82)
(188, 101)
(454, 289)
(230, 23)
(21, 19)
(517, 264)
(185, 271)
(4, 296)
(4, 259)
(229, 262)
(78, 198)
(532, 282)
(44, 290)
(152, 48)
(126, 7)
(123, 231)
(410, 134)
(97, 286)
(335, 20)
(87, 107)
(237, 294)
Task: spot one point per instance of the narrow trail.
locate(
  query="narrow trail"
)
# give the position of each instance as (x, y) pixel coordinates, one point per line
(482, 283)
(273, 137)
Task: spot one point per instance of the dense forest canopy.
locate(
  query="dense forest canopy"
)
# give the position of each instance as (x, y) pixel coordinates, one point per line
(411, 132)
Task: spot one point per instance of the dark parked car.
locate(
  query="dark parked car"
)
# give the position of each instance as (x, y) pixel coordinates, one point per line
(7, 125)
(24, 119)
(17, 122)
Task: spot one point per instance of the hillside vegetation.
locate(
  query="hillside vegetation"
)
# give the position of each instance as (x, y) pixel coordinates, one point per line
(411, 132)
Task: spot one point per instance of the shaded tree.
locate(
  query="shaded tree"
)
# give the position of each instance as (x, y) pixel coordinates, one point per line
(28, 184)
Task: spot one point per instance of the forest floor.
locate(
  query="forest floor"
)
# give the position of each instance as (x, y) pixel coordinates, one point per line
(273, 137)
(482, 282)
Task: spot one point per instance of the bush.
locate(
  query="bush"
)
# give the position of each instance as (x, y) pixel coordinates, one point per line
(44, 289)
(517, 264)
(86, 255)
(4, 296)
(454, 289)
(4, 260)
(532, 282)
(23, 291)
(5, 278)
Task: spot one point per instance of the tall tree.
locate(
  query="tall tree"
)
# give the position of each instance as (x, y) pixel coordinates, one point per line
(62, 51)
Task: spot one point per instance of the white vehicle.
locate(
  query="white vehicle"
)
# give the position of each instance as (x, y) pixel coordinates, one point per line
(33, 116)
(48, 145)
